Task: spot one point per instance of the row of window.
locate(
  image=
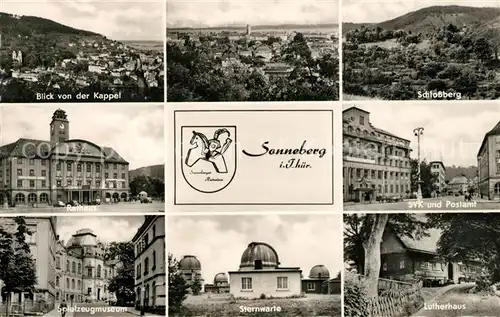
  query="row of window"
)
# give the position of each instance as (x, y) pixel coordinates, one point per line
(388, 189)
(358, 131)
(146, 266)
(144, 243)
(77, 269)
(20, 161)
(281, 283)
(43, 173)
(375, 174)
(43, 184)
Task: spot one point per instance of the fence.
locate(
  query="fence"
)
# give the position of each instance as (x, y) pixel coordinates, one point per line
(396, 298)
(28, 307)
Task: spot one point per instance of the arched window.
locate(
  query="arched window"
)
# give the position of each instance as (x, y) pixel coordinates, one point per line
(44, 198)
(20, 198)
(154, 260)
(153, 294)
(57, 281)
(67, 283)
(67, 265)
(79, 268)
(73, 286)
(99, 270)
(73, 267)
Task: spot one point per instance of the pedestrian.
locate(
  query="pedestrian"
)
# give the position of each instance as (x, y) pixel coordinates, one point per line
(63, 308)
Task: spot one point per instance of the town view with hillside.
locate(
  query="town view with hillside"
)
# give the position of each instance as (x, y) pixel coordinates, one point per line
(436, 52)
(413, 164)
(271, 60)
(44, 61)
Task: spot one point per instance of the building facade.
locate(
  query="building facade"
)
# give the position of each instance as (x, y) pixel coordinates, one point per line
(376, 162)
(260, 275)
(42, 243)
(439, 171)
(317, 283)
(62, 169)
(406, 259)
(488, 162)
(150, 270)
(82, 273)
(458, 185)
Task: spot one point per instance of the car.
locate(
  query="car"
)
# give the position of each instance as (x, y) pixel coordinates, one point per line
(146, 200)
(72, 203)
(59, 204)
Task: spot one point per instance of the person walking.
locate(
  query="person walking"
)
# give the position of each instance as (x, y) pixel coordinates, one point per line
(63, 308)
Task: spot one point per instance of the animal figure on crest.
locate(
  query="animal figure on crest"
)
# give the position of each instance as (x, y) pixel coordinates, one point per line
(209, 150)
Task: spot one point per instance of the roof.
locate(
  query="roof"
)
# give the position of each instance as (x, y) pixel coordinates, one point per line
(438, 162)
(459, 180)
(424, 244)
(28, 148)
(145, 225)
(494, 131)
(354, 107)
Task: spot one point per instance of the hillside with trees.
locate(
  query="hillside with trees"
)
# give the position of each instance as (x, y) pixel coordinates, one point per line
(450, 49)
(454, 171)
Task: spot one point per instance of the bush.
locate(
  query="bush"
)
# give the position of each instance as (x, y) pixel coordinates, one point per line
(356, 302)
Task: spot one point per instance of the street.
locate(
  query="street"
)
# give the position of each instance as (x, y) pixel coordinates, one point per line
(156, 206)
(459, 302)
(440, 203)
(102, 310)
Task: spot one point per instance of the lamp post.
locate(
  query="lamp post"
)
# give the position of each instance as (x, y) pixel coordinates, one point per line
(418, 133)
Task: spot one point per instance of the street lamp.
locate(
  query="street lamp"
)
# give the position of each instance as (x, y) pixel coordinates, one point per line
(418, 133)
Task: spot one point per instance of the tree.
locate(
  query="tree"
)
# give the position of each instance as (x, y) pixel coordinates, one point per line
(139, 184)
(196, 285)
(470, 237)
(483, 49)
(363, 236)
(17, 267)
(123, 283)
(177, 287)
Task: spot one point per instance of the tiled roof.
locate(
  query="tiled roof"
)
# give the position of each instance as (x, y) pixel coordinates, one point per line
(425, 244)
(28, 148)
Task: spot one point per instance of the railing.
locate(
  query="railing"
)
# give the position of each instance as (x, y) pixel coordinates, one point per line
(396, 298)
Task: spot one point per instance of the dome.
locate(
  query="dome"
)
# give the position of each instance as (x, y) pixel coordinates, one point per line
(83, 237)
(259, 252)
(189, 262)
(220, 278)
(319, 271)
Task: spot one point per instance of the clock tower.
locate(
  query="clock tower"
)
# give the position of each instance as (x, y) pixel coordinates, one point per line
(59, 127)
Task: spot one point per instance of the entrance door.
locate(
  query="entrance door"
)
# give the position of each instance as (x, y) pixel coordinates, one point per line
(451, 273)
(98, 294)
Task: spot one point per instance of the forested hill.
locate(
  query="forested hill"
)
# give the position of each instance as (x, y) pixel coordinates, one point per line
(28, 25)
(454, 171)
(153, 171)
(427, 20)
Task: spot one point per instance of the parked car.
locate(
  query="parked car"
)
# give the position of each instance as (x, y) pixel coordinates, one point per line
(146, 200)
(59, 204)
(72, 203)
(396, 198)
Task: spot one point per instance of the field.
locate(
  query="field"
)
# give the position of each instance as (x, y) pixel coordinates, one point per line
(221, 306)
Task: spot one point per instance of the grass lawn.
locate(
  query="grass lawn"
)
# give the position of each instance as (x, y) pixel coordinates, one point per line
(473, 305)
(221, 306)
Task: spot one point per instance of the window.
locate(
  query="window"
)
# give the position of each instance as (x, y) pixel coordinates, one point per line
(44, 163)
(146, 239)
(79, 167)
(19, 172)
(384, 266)
(44, 173)
(73, 267)
(67, 265)
(361, 120)
(106, 175)
(146, 266)
(89, 290)
(69, 166)
(19, 183)
(70, 182)
(67, 283)
(311, 286)
(99, 270)
(154, 231)
(89, 167)
(497, 139)
(57, 281)
(44, 183)
(89, 272)
(79, 268)
(32, 172)
(20, 160)
(106, 166)
(154, 261)
(123, 175)
(282, 282)
(115, 166)
(402, 264)
(58, 262)
(115, 175)
(58, 183)
(32, 184)
(73, 286)
(246, 283)
(98, 168)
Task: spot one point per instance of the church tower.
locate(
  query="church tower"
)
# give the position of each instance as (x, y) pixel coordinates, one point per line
(59, 127)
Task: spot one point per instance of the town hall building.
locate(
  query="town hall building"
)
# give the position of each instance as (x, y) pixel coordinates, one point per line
(62, 169)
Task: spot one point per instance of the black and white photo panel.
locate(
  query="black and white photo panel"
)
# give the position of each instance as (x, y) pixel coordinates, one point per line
(73, 51)
(435, 156)
(83, 266)
(82, 158)
(243, 50)
(273, 265)
(420, 50)
(438, 264)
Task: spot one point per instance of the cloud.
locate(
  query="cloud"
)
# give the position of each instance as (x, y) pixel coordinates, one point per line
(201, 13)
(111, 18)
(372, 11)
(135, 132)
(219, 241)
(107, 229)
(453, 131)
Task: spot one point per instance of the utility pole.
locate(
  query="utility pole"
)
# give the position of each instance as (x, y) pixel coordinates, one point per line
(418, 133)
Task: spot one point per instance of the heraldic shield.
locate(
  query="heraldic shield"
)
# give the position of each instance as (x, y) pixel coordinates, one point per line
(208, 157)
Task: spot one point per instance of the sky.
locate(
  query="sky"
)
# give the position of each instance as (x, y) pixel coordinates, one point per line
(135, 132)
(107, 229)
(219, 241)
(372, 11)
(115, 19)
(214, 13)
(453, 131)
